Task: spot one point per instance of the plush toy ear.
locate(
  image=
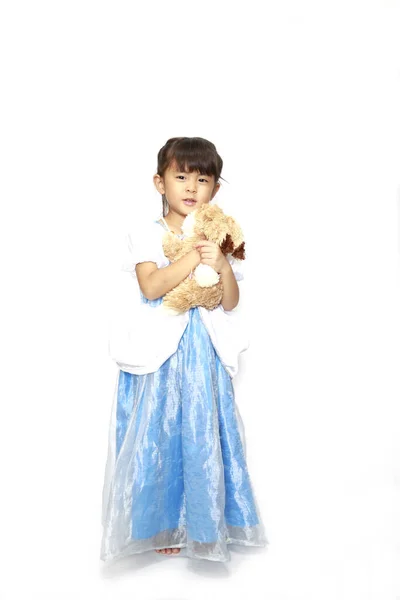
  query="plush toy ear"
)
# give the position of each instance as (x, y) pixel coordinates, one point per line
(227, 245)
(239, 253)
(189, 224)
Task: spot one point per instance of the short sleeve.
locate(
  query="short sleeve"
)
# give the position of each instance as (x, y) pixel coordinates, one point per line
(143, 245)
(237, 267)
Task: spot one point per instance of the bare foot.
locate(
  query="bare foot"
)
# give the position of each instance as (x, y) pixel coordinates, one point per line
(169, 551)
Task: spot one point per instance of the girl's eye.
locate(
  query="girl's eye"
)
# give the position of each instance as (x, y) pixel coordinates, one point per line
(202, 179)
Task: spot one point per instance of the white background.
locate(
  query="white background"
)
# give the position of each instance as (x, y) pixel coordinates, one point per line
(302, 101)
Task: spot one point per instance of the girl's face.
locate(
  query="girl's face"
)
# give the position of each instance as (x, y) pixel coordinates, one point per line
(179, 187)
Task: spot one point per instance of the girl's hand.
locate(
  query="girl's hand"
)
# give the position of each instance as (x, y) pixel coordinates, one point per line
(211, 255)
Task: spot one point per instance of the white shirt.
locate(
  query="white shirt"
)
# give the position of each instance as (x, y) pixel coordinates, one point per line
(143, 336)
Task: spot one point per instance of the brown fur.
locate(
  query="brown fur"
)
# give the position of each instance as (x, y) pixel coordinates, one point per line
(239, 253)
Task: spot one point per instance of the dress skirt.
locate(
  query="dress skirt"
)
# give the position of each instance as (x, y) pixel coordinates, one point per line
(176, 473)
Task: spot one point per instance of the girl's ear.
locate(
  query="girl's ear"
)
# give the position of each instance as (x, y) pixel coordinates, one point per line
(215, 190)
(159, 183)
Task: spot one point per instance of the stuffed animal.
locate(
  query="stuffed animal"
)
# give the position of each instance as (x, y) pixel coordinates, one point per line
(202, 287)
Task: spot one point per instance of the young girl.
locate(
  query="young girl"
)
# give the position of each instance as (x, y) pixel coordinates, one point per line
(176, 474)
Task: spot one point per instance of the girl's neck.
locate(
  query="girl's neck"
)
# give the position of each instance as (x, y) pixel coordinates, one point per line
(174, 222)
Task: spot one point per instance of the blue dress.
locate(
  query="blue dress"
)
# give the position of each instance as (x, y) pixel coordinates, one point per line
(179, 476)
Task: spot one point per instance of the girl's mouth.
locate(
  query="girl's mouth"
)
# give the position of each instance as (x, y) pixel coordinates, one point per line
(189, 202)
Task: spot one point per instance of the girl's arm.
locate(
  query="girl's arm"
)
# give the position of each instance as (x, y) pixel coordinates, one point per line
(155, 282)
(210, 254)
(230, 298)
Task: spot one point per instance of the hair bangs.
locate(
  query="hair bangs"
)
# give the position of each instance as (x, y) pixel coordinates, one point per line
(188, 157)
